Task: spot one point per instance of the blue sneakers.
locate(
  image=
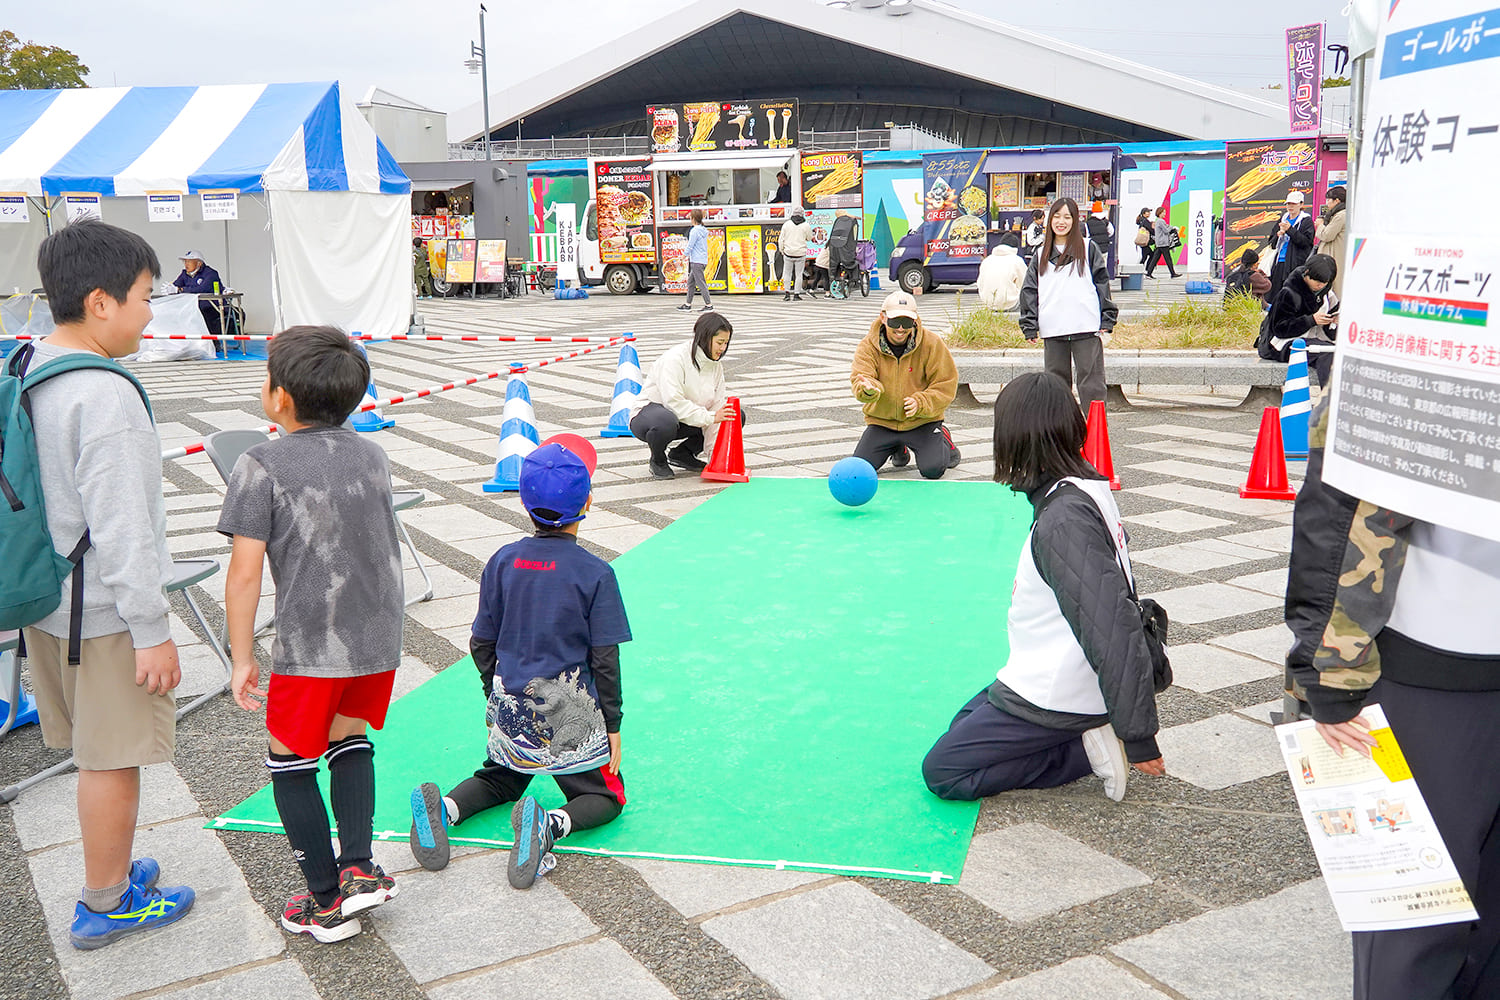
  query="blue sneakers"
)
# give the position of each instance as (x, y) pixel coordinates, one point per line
(141, 909)
(429, 827)
(144, 872)
(533, 830)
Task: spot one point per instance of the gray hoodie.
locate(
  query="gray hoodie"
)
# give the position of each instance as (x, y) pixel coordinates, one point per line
(100, 462)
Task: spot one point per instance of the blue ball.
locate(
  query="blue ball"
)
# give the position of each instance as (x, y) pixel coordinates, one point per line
(852, 481)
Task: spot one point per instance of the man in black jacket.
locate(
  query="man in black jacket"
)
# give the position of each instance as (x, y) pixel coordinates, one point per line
(1299, 309)
(1291, 241)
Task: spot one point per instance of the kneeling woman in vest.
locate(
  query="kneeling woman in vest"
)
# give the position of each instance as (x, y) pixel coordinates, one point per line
(1079, 671)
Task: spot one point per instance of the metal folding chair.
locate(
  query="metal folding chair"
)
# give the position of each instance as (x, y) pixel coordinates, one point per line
(185, 573)
(224, 448)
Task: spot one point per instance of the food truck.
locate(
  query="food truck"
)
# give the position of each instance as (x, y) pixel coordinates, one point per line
(721, 157)
(970, 197)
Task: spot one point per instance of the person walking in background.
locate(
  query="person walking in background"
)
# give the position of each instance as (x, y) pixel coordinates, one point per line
(1143, 238)
(697, 255)
(1331, 233)
(1066, 302)
(1293, 240)
(421, 268)
(795, 232)
(1165, 240)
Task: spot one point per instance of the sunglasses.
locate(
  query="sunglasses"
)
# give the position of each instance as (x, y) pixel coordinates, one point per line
(901, 323)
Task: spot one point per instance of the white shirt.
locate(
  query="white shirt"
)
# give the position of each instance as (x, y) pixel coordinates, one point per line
(1000, 278)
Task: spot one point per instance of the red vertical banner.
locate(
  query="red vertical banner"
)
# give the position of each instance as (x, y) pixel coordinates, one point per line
(1304, 77)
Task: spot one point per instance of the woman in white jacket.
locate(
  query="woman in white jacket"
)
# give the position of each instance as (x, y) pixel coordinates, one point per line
(684, 395)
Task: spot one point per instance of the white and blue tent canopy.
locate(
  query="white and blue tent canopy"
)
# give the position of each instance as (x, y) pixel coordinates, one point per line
(126, 141)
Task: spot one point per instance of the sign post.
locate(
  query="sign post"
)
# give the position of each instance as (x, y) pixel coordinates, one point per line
(1200, 232)
(567, 242)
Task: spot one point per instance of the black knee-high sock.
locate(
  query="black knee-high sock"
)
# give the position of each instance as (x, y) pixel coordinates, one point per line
(351, 783)
(294, 783)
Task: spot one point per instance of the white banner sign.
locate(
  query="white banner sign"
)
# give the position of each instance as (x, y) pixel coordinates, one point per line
(1200, 232)
(82, 206)
(1417, 376)
(220, 205)
(13, 207)
(163, 206)
(567, 242)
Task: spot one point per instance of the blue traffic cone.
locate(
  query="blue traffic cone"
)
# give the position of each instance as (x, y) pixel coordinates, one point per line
(518, 436)
(1296, 403)
(369, 420)
(628, 381)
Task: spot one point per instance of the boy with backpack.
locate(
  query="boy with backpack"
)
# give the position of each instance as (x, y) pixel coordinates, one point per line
(316, 502)
(81, 467)
(546, 641)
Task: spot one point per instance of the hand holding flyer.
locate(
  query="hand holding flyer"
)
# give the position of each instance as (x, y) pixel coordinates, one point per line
(1382, 856)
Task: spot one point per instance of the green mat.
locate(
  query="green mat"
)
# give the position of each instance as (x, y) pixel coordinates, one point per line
(793, 661)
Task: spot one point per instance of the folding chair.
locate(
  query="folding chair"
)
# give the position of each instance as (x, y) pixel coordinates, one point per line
(10, 661)
(185, 573)
(224, 448)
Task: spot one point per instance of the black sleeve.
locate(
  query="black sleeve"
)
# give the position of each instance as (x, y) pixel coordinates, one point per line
(483, 651)
(1076, 558)
(1029, 324)
(1302, 235)
(604, 664)
(1289, 320)
(1108, 311)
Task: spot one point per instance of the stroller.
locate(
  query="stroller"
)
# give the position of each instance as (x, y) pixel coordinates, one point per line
(849, 260)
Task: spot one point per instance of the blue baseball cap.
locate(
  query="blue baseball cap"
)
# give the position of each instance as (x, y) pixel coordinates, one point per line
(554, 481)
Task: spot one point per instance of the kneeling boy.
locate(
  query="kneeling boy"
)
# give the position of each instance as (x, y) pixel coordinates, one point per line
(546, 642)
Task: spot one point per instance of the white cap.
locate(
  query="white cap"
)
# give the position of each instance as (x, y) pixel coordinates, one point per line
(190, 255)
(1294, 197)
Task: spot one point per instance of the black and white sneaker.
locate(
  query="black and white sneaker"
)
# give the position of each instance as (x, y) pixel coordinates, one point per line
(429, 827)
(533, 839)
(685, 460)
(661, 470)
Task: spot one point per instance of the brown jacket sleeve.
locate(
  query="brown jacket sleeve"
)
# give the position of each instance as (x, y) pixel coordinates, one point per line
(864, 367)
(942, 379)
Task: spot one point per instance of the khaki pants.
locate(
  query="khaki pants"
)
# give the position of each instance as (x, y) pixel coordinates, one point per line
(96, 709)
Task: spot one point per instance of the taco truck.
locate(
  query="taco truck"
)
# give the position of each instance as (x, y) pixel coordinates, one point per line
(721, 157)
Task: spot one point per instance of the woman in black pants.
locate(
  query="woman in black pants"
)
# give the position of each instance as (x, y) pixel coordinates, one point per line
(684, 396)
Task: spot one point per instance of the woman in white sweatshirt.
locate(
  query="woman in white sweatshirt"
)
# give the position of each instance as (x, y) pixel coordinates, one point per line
(684, 395)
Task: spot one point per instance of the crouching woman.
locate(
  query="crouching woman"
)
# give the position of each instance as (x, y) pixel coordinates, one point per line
(1078, 680)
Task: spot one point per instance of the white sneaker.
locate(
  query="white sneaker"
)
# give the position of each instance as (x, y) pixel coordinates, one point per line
(1107, 757)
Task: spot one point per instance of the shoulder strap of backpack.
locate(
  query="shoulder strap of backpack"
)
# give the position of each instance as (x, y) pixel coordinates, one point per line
(79, 361)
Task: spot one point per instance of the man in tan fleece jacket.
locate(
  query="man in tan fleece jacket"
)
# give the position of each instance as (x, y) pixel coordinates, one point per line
(905, 378)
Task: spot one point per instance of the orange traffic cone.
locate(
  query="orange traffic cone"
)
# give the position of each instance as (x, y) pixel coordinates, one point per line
(728, 462)
(1267, 480)
(1096, 445)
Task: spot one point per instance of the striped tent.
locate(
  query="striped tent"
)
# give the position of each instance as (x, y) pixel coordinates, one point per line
(322, 234)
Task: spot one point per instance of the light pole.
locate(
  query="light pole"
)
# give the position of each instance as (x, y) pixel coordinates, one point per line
(478, 61)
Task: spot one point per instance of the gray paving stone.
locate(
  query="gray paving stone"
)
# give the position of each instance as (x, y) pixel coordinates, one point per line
(451, 921)
(1220, 751)
(1082, 977)
(225, 928)
(1027, 871)
(599, 970)
(1195, 471)
(1274, 539)
(845, 943)
(1195, 556)
(1225, 501)
(1272, 582)
(284, 980)
(1177, 521)
(1205, 602)
(1262, 711)
(1288, 944)
(1270, 643)
(47, 814)
(697, 889)
(1198, 666)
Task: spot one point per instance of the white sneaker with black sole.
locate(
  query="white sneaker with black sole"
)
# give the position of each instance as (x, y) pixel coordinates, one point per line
(1107, 758)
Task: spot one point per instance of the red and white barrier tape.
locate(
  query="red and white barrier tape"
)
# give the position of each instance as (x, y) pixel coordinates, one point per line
(485, 338)
(194, 449)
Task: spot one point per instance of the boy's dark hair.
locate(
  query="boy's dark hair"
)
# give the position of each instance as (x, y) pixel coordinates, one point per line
(1011, 239)
(1036, 215)
(1039, 433)
(708, 324)
(1321, 267)
(90, 254)
(1249, 259)
(697, 216)
(1338, 193)
(321, 369)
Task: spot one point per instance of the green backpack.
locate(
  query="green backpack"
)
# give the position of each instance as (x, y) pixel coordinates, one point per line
(31, 587)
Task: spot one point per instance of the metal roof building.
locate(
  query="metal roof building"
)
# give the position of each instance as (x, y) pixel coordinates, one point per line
(966, 77)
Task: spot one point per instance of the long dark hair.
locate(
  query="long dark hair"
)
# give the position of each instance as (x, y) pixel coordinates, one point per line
(1075, 248)
(708, 324)
(1039, 433)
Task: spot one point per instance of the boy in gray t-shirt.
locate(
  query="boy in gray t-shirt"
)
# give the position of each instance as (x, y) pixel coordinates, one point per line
(317, 503)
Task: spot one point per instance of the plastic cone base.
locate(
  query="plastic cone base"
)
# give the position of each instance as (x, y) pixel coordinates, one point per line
(1096, 450)
(728, 462)
(1267, 479)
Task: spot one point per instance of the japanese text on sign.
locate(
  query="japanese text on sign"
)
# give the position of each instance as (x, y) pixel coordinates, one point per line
(13, 208)
(1305, 77)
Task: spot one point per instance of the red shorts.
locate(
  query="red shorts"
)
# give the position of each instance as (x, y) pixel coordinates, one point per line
(299, 710)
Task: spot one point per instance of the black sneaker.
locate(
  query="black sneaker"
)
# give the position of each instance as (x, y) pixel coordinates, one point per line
(900, 458)
(788, 297)
(303, 915)
(796, 298)
(429, 827)
(661, 470)
(684, 308)
(954, 459)
(684, 460)
(533, 839)
(361, 890)
(707, 309)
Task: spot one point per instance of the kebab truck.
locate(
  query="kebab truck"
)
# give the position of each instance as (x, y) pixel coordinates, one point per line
(721, 157)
